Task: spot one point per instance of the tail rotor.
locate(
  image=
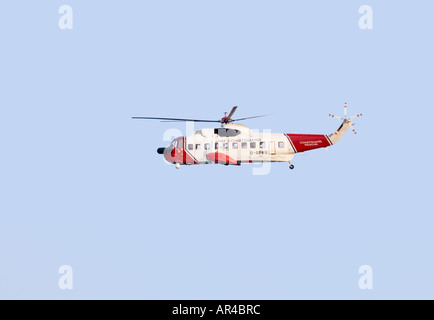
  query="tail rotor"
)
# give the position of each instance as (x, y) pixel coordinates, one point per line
(347, 119)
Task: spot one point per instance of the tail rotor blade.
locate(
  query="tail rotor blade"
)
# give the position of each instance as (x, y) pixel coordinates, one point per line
(357, 115)
(333, 116)
(345, 109)
(353, 129)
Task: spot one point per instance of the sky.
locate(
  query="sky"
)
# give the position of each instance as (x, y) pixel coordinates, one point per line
(81, 183)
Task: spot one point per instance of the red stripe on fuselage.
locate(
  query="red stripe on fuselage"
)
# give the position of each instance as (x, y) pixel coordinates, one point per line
(186, 156)
(304, 142)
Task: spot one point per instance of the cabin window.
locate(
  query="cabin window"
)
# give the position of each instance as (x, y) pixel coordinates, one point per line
(281, 144)
(235, 145)
(216, 146)
(262, 144)
(206, 146)
(252, 144)
(198, 146)
(190, 146)
(244, 145)
(225, 145)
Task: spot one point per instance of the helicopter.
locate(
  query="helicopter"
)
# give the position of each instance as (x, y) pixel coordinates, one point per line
(234, 143)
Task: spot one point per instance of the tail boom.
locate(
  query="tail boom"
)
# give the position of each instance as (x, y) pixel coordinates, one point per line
(305, 142)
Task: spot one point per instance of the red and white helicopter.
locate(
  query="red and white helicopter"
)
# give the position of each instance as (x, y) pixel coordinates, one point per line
(233, 143)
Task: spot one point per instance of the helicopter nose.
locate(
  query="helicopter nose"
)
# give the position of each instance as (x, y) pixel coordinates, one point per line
(160, 150)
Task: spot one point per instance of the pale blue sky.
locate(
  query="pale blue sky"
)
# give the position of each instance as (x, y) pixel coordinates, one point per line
(81, 183)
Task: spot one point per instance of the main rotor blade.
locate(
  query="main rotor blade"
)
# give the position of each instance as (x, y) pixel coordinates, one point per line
(192, 120)
(175, 119)
(232, 112)
(251, 117)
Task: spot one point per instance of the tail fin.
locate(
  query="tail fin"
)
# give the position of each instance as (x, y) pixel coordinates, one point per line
(338, 134)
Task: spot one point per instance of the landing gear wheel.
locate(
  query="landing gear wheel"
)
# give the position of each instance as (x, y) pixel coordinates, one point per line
(291, 166)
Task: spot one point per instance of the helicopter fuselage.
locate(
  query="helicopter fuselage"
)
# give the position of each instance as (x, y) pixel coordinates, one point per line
(233, 144)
